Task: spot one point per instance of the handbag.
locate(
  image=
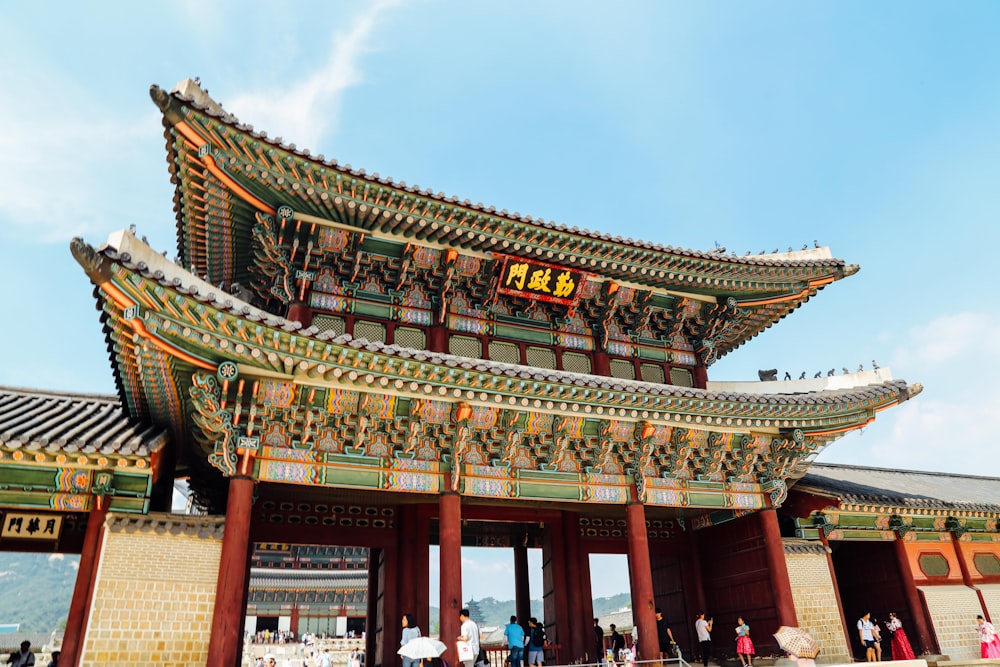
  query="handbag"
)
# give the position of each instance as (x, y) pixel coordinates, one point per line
(465, 651)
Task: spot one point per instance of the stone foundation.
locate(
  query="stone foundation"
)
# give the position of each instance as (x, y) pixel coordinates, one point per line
(815, 602)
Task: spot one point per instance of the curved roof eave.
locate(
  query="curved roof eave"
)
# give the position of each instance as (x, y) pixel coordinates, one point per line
(135, 255)
(189, 94)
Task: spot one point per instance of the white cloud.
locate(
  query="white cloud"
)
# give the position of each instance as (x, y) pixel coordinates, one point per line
(62, 161)
(304, 111)
(951, 338)
(55, 557)
(951, 426)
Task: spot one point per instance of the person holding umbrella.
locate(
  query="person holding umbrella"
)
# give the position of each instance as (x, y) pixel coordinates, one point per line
(410, 631)
(798, 644)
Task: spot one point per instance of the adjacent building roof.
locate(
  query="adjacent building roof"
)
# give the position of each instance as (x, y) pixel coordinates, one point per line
(859, 485)
(34, 420)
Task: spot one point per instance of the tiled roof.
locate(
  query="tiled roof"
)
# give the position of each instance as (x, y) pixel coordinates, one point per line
(124, 248)
(191, 94)
(262, 577)
(34, 420)
(176, 524)
(859, 485)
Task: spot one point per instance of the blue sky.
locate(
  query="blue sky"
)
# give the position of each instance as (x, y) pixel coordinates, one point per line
(869, 127)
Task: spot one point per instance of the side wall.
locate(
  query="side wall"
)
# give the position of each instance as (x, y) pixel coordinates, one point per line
(816, 604)
(155, 591)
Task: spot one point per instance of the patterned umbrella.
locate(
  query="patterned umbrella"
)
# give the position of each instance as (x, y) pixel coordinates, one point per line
(797, 642)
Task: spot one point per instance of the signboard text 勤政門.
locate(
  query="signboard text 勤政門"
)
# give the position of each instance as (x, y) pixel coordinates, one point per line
(540, 281)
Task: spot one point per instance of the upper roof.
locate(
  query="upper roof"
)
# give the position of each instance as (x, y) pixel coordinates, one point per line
(226, 173)
(33, 420)
(859, 485)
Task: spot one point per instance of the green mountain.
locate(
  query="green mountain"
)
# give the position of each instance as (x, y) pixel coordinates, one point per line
(36, 589)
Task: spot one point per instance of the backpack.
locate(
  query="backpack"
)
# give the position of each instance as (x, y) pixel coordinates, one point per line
(538, 636)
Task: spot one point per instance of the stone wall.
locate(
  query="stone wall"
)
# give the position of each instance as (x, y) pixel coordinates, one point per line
(155, 591)
(816, 605)
(953, 611)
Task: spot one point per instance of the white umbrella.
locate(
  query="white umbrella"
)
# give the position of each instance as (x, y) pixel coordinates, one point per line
(420, 648)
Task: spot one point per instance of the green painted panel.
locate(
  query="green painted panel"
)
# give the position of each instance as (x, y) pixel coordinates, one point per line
(548, 475)
(10, 499)
(862, 535)
(927, 537)
(652, 353)
(134, 484)
(356, 478)
(377, 310)
(357, 460)
(808, 533)
(521, 333)
(130, 505)
(980, 537)
(29, 476)
(924, 522)
(695, 485)
(542, 491)
(383, 247)
(696, 499)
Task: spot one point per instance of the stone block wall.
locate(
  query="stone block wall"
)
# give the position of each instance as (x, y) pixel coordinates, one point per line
(815, 602)
(155, 591)
(953, 611)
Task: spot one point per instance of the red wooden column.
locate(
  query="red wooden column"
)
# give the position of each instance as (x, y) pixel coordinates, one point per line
(450, 537)
(293, 623)
(836, 589)
(774, 551)
(302, 313)
(83, 590)
(918, 615)
(522, 585)
(963, 565)
(640, 574)
(226, 639)
(421, 568)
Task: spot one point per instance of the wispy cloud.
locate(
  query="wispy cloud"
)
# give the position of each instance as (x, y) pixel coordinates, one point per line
(59, 154)
(315, 100)
(957, 358)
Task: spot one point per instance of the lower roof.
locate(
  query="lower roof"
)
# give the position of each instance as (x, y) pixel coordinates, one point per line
(861, 485)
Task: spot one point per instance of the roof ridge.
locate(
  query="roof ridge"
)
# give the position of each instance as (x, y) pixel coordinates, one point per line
(848, 466)
(57, 393)
(190, 92)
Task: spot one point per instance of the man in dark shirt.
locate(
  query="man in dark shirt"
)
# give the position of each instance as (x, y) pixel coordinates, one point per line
(617, 642)
(664, 636)
(598, 641)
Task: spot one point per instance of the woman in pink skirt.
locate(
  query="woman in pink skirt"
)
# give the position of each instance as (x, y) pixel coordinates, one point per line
(989, 643)
(744, 645)
(901, 649)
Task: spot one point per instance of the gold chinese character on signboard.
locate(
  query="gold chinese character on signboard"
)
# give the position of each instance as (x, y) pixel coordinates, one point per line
(540, 280)
(517, 273)
(564, 284)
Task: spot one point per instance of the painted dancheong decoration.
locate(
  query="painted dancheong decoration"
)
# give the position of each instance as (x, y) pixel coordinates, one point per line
(327, 327)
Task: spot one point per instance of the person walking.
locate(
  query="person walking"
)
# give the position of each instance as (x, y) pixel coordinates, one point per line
(664, 637)
(410, 632)
(867, 635)
(617, 643)
(513, 634)
(703, 628)
(536, 644)
(22, 658)
(598, 642)
(744, 645)
(470, 635)
(900, 643)
(989, 643)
